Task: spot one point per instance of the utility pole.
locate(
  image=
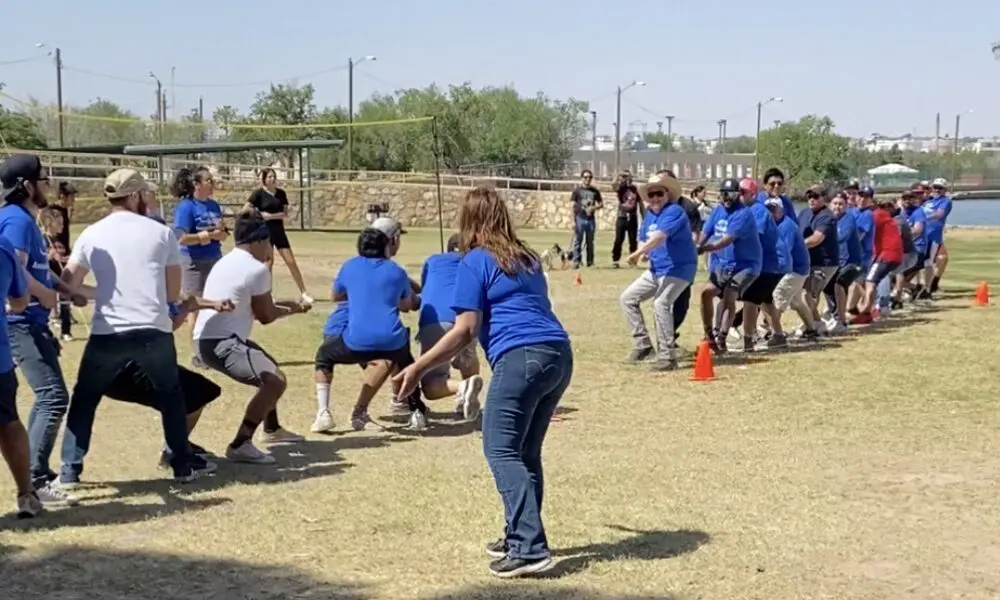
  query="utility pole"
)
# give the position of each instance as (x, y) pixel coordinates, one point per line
(59, 97)
(593, 141)
(725, 134)
(954, 158)
(670, 132)
(718, 147)
(173, 92)
(618, 123)
(756, 144)
(351, 63)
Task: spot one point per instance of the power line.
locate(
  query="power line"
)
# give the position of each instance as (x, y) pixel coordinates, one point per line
(23, 60)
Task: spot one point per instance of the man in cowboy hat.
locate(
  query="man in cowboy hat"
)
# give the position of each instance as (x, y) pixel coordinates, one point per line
(668, 246)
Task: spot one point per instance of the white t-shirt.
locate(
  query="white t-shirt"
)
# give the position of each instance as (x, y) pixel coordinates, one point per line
(238, 276)
(128, 255)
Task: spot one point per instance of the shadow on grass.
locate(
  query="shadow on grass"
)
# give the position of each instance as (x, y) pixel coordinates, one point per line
(108, 513)
(889, 325)
(524, 590)
(640, 545)
(69, 573)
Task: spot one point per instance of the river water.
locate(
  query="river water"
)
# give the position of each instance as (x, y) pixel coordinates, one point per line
(971, 213)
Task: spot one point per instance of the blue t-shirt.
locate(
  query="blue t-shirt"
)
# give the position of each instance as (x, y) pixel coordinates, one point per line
(935, 227)
(676, 257)
(515, 309)
(374, 287)
(745, 253)
(192, 216)
(865, 219)
(20, 229)
(849, 242)
(768, 231)
(13, 284)
(914, 215)
(437, 282)
(827, 254)
(336, 322)
(786, 204)
(791, 238)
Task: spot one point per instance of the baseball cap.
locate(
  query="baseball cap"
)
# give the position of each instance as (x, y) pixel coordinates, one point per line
(867, 191)
(67, 189)
(453, 243)
(940, 182)
(125, 182)
(816, 191)
(748, 185)
(773, 202)
(19, 168)
(388, 226)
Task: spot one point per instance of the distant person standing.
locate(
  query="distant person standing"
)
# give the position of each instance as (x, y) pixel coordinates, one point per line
(586, 200)
(272, 203)
(61, 244)
(629, 209)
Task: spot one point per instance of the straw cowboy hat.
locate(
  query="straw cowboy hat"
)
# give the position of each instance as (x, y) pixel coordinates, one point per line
(668, 184)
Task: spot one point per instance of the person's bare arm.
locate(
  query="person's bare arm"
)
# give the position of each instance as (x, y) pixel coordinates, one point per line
(195, 239)
(458, 337)
(817, 238)
(266, 310)
(18, 304)
(716, 246)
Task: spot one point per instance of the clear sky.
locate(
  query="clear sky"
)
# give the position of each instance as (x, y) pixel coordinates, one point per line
(885, 66)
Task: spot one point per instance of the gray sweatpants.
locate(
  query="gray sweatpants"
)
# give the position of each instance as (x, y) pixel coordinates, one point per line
(664, 292)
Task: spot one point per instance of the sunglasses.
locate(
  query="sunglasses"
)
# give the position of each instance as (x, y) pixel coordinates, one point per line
(774, 183)
(730, 195)
(657, 194)
(812, 196)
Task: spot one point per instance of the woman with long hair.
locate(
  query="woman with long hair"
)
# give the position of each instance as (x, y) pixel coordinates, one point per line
(200, 231)
(272, 203)
(501, 294)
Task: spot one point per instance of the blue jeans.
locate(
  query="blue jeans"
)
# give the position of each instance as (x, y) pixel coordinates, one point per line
(153, 353)
(883, 294)
(36, 352)
(583, 233)
(526, 386)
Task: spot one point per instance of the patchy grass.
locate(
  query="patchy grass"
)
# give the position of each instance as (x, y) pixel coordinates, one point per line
(864, 468)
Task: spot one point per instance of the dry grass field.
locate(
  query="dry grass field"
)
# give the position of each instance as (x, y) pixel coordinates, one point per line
(864, 467)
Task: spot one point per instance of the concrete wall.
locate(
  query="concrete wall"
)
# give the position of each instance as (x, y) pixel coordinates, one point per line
(644, 163)
(335, 205)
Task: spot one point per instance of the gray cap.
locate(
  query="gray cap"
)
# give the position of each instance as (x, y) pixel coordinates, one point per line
(388, 226)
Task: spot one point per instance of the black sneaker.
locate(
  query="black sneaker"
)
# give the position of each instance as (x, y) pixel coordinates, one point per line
(662, 366)
(721, 347)
(497, 548)
(196, 467)
(748, 344)
(637, 356)
(197, 450)
(897, 305)
(508, 567)
(810, 335)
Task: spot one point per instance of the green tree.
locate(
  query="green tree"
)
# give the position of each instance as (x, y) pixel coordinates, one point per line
(18, 130)
(689, 145)
(743, 144)
(808, 151)
(658, 137)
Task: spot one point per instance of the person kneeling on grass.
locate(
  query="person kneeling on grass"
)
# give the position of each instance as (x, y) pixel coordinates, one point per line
(243, 277)
(437, 318)
(375, 290)
(666, 242)
(501, 295)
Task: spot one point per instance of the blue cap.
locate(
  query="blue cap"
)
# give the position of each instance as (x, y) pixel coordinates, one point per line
(867, 191)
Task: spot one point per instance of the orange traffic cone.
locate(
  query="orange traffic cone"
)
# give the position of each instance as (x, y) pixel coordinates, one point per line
(578, 280)
(983, 294)
(703, 368)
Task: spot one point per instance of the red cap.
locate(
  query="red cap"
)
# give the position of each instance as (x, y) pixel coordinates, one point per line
(748, 185)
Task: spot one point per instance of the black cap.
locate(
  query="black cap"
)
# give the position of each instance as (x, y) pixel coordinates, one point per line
(453, 243)
(67, 189)
(19, 168)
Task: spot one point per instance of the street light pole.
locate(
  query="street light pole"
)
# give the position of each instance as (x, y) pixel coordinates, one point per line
(351, 63)
(756, 144)
(59, 92)
(173, 93)
(593, 141)
(618, 121)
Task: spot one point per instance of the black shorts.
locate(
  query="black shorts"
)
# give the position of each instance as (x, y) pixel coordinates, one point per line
(8, 398)
(276, 231)
(132, 385)
(846, 275)
(333, 351)
(879, 271)
(761, 291)
(724, 279)
(921, 261)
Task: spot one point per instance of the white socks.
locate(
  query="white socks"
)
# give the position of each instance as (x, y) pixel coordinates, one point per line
(323, 397)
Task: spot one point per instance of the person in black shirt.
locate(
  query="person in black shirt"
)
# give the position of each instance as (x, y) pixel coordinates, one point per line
(586, 200)
(819, 228)
(67, 199)
(53, 221)
(629, 209)
(272, 203)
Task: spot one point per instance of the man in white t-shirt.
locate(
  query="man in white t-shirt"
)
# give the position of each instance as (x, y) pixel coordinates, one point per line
(223, 339)
(136, 264)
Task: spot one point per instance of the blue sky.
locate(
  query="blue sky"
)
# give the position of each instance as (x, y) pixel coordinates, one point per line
(884, 66)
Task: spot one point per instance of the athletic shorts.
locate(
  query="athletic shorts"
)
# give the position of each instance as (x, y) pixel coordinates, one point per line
(932, 253)
(910, 260)
(879, 271)
(279, 238)
(787, 290)
(194, 274)
(724, 279)
(133, 386)
(918, 266)
(240, 360)
(817, 280)
(429, 335)
(846, 275)
(8, 398)
(333, 351)
(761, 291)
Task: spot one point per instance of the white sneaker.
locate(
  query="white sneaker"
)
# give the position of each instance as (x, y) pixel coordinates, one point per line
(418, 421)
(281, 436)
(29, 506)
(248, 453)
(323, 422)
(399, 408)
(67, 337)
(837, 329)
(51, 494)
(469, 391)
(307, 299)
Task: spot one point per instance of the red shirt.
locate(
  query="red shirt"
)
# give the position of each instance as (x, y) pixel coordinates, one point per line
(888, 241)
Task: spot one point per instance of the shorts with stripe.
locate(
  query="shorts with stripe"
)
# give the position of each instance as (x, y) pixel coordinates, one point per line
(241, 360)
(879, 271)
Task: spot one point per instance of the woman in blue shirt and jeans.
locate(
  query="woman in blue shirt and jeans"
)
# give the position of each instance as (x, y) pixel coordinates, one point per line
(501, 294)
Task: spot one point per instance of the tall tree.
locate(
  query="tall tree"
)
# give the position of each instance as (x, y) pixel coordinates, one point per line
(809, 151)
(19, 130)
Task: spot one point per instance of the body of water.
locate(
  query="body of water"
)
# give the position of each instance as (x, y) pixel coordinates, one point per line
(970, 213)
